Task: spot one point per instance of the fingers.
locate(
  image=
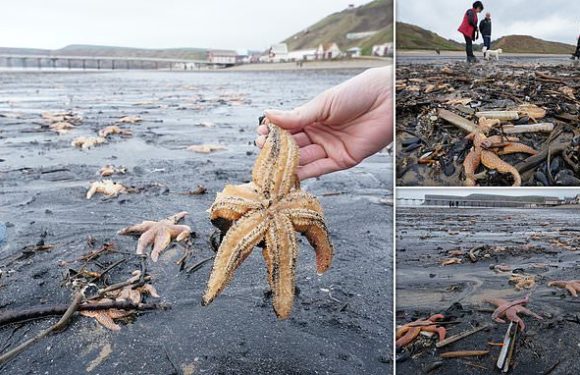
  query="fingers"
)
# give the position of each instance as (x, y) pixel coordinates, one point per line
(311, 153)
(317, 168)
(301, 138)
(296, 119)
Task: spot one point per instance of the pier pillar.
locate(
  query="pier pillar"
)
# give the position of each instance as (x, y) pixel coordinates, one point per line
(84, 64)
(98, 64)
(113, 64)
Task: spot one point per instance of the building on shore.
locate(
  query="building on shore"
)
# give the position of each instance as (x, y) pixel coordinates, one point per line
(277, 53)
(354, 52)
(302, 55)
(382, 50)
(328, 51)
(223, 57)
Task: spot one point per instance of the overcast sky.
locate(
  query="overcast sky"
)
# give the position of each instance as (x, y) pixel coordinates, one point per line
(228, 24)
(420, 193)
(556, 20)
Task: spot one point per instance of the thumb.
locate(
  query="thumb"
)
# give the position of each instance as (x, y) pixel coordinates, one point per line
(299, 117)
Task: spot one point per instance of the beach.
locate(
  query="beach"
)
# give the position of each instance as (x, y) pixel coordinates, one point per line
(539, 243)
(341, 320)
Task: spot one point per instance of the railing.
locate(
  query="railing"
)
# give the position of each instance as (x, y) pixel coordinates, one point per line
(471, 203)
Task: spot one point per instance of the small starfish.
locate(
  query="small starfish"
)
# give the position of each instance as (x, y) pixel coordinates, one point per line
(268, 210)
(572, 286)
(106, 187)
(109, 170)
(510, 310)
(61, 127)
(129, 120)
(87, 142)
(113, 129)
(205, 149)
(486, 150)
(407, 333)
(158, 234)
(127, 293)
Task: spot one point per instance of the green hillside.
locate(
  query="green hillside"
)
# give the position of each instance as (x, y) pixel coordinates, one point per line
(374, 16)
(528, 44)
(415, 37)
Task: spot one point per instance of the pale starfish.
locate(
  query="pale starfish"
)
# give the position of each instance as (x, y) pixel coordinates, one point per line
(486, 150)
(87, 142)
(61, 127)
(109, 170)
(127, 293)
(158, 234)
(129, 120)
(510, 310)
(572, 286)
(106, 187)
(407, 333)
(268, 210)
(205, 149)
(69, 117)
(113, 129)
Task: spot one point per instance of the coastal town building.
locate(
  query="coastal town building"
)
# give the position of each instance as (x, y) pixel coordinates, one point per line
(328, 51)
(354, 52)
(382, 50)
(225, 57)
(278, 52)
(302, 55)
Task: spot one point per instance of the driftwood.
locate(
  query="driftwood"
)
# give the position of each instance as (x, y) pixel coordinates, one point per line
(499, 115)
(460, 336)
(460, 122)
(464, 353)
(10, 317)
(532, 128)
(534, 160)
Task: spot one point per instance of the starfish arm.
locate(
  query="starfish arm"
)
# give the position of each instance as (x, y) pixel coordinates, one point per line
(174, 219)
(103, 318)
(441, 331)
(179, 232)
(514, 148)
(274, 172)
(150, 289)
(138, 228)
(92, 190)
(236, 246)
(160, 243)
(470, 165)
(144, 241)
(572, 290)
(280, 256)
(492, 161)
(512, 315)
(525, 310)
(234, 202)
(408, 337)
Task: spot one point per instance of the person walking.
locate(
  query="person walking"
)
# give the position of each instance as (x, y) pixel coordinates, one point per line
(485, 31)
(576, 54)
(470, 30)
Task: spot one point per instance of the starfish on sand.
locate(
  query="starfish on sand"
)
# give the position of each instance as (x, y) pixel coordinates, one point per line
(407, 333)
(113, 129)
(158, 234)
(511, 309)
(87, 142)
(572, 286)
(106, 187)
(268, 211)
(127, 293)
(486, 150)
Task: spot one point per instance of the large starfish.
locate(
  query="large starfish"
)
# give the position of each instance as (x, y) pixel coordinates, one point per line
(573, 286)
(407, 333)
(268, 210)
(510, 310)
(159, 234)
(486, 150)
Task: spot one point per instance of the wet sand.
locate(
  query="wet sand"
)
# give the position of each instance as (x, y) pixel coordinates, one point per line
(528, 240)
(340, 322)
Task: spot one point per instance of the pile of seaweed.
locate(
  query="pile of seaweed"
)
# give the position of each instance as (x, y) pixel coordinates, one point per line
(438, 106)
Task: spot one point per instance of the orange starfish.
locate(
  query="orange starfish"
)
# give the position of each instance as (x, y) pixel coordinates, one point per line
(573, 286)
(486, 150)
(510, 310)
(407, 333)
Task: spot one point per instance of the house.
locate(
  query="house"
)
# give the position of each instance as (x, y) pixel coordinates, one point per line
(302, 55)
(223, 57)
(354, 52)
(278, 52)
(383, 50)
(328, 51)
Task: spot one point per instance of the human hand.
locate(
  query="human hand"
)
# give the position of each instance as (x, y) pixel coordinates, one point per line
(342, 126)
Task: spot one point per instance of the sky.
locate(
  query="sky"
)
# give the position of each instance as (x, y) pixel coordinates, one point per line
(420, 193)
(555, 20)
(220, 24)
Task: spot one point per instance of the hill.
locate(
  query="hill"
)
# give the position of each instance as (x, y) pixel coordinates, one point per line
(374, 16)
(414, 37)
(109, 51)
(529, 44)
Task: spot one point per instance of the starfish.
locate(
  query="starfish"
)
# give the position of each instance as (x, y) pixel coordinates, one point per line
(113, 129)
(486, 150)
(158, 234)
(87, 142)
(106, 187)
(61, 127)
(129, 120)
(127, 293)
(205, 149)
(109, 170)
(407, 333)
(511, 309)
(268, 210)
(572, 286)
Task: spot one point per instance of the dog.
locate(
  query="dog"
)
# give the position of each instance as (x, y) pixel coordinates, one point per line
(487, 53)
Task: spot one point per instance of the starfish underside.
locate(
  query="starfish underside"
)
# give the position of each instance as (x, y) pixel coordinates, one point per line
(407, 333)
(510, 310)
(106, 187)
(158, 234)
(486, 150)
(268, 211)
(572, 286)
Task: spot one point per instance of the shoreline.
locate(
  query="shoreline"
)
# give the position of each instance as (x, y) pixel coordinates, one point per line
(361, 63)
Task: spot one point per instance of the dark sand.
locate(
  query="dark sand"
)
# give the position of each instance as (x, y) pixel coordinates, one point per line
(43, 182)
(425, 235)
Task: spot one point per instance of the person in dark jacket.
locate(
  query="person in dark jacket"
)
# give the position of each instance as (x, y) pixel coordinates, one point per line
(485, 31)
(576, 54)
(470, 30)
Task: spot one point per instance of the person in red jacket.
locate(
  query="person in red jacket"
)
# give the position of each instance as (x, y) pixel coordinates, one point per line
(469, 29)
